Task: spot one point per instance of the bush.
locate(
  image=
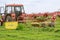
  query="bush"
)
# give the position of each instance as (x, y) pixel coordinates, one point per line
(20, 26)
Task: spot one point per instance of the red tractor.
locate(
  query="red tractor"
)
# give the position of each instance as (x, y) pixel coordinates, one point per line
(13, 12)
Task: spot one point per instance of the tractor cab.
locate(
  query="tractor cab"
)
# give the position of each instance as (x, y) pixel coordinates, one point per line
(13, 11)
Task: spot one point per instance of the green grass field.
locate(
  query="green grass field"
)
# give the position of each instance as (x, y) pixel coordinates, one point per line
(27, 32)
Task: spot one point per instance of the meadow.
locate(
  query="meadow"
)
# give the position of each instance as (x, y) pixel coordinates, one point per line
(28, 32)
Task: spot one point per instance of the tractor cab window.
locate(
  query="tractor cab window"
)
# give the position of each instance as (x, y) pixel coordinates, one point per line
(9, 9)
(17, 9)
(22, 9)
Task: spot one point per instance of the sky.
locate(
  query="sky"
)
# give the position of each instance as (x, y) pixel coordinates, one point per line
(35, 6)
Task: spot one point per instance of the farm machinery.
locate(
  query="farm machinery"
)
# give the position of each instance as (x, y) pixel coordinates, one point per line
(13, 12)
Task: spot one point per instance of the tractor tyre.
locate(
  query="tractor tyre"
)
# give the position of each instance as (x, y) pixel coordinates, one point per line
(8, 18)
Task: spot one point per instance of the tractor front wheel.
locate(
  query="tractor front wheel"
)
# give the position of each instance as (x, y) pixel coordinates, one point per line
(8, 18)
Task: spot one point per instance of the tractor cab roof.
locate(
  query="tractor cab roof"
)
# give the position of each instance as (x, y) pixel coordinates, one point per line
(14, 5)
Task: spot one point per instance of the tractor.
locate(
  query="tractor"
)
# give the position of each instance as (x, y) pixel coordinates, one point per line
(13, 12)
